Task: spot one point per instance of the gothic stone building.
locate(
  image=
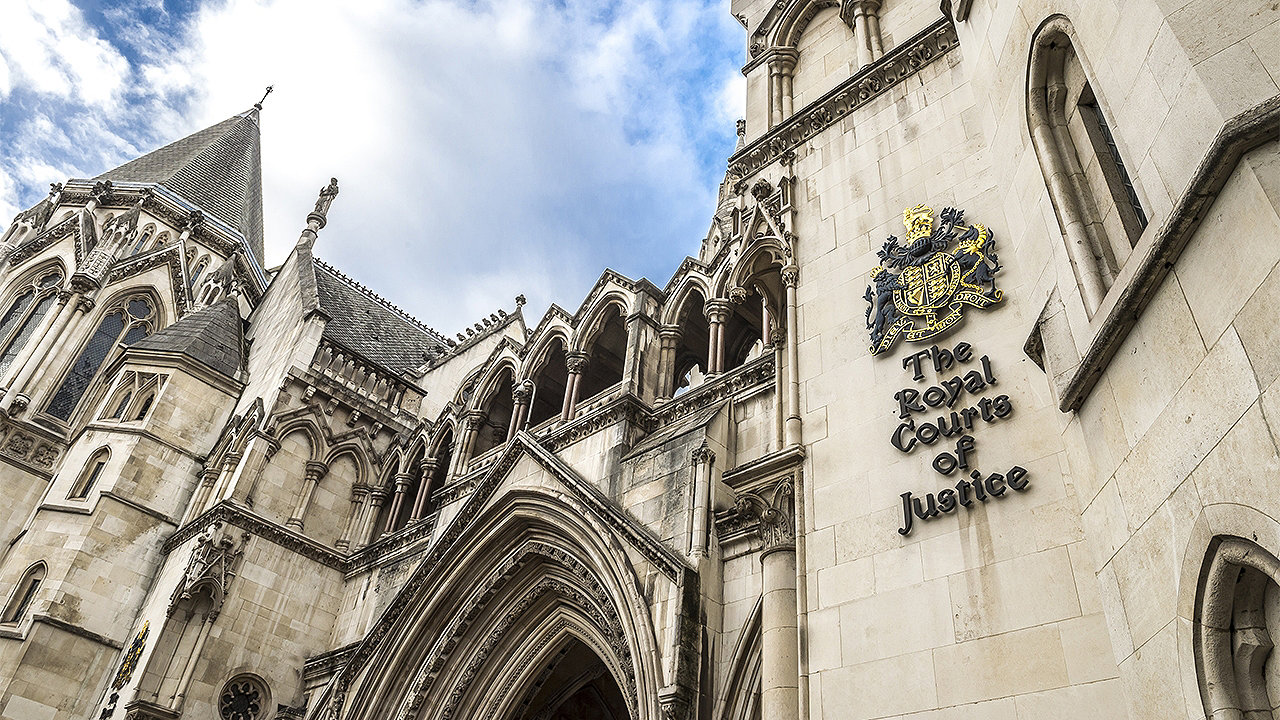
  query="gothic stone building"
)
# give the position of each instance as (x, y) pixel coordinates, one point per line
(965, 408)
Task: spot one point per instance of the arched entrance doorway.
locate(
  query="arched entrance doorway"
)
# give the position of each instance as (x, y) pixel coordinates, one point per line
(573, 684)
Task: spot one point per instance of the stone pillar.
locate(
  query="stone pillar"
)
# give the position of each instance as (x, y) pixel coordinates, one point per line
(520, 396)
(779, 637)
(791, 278)
(315, 471)
(864, 16)
(717, 313)
(358, 495)
(428, 467)
(702, 459)
(475, 419)
(397, 502)
(668, 342)
(259, 452)
(377, 496)
(766, 322)
(577, 363)
(781, 71)
(207, 478)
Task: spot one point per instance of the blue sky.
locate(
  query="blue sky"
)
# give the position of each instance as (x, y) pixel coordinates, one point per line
(485, 148)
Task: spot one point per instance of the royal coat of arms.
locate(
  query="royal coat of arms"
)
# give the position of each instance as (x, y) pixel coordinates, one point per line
(920, 288)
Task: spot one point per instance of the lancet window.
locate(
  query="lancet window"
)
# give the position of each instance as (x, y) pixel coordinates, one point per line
(124, 324)
(92, 472)
(1099, 211)
(497, 409)
(133, 397)
(32, 303)
(24, 593)
(144, 238)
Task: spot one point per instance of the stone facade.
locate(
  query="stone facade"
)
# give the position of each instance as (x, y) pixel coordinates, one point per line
(965, 408)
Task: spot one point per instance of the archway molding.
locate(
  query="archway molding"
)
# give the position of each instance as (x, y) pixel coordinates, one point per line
(579, 538)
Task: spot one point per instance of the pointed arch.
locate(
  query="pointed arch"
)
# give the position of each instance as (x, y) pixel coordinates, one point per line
(29, 301)
(308, 426)
(594, 319)
(533, 567)
(358, 455)
(794, 20)
(689, 283)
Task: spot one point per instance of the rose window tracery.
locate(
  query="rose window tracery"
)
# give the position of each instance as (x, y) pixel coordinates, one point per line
(241, 699)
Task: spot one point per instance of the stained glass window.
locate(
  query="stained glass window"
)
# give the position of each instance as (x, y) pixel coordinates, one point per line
(34, 301)
(123, 325)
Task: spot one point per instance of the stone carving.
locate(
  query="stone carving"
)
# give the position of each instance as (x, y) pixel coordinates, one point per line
(211, 568)
(772, 512)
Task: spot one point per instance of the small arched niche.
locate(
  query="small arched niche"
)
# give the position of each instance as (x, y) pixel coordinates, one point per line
(549, 380)
(1237, 622)
(606, 353)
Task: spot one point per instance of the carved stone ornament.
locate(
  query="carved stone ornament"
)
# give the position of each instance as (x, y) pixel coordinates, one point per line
(577, 364)
(921, 287)
(702, 454)
(774, 514)
(211, 568)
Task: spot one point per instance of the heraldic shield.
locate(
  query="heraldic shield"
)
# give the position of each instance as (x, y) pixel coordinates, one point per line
(927, 295)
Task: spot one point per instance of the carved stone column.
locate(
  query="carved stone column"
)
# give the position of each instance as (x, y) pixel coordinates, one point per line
(207, 478)
(520, 395)
(70, 306)
(779, 637)
(791, 430)
(428, 466)
(766, 322)
(717, 312)
(864, 17)
(475, 419)
(358, 495)
(781, 71)
(702, 459)
(377, 496)
(577, 364)
(397, 501)
(668, 341)
(315, 471)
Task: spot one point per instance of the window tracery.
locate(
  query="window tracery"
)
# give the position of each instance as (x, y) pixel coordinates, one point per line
(133, 396)
(125, 323)
(29, 307)
(242, 698)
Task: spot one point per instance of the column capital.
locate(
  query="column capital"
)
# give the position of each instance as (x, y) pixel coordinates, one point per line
(316, 471)
(716, 310)
(577, 362)
(791, 275)
(474, 419)
(773, 510)
(670, 333)
(522, 391)
(738, 295)
(783, 60)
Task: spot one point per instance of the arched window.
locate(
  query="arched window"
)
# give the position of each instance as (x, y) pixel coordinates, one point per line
(143, 239)
(29, 307)
(133, 396)
(23, 594)
(124, 324)
(89, 476)
(195, 274)
(1097, 206)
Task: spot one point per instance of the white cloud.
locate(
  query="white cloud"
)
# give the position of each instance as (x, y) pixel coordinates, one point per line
(484, 148)
(49, 48)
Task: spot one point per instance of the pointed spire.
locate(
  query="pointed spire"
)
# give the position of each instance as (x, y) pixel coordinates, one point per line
(218, 169)
(213, 336)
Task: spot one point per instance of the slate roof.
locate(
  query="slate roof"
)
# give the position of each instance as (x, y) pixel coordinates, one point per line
(365, 323)
(213, 336)
(218, 169)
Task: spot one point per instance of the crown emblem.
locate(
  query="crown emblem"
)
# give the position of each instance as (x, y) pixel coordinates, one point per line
(920, 288)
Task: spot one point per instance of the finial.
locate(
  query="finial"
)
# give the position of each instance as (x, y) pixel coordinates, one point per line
(258, 105)
(520, 301)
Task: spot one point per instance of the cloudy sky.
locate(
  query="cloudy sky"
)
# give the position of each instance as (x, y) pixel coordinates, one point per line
(484, 147)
